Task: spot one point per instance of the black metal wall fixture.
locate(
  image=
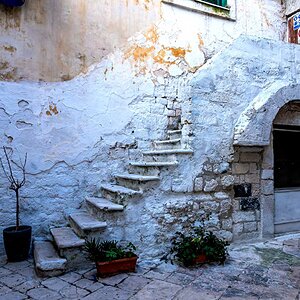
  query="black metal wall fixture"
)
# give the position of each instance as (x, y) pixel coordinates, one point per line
(12, 3)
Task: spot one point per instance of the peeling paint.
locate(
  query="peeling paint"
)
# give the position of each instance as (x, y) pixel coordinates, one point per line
(20, 124)
(201, 41)
(52, 110)
(23, 103)
(10, 49)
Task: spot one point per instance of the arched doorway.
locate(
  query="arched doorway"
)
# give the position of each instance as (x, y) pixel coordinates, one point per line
(286, 147)
(255, 128)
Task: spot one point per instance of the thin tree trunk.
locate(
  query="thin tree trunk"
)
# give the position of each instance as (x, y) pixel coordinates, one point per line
(17, 209)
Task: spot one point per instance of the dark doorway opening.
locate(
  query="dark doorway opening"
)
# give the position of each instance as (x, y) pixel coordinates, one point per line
(286, 141)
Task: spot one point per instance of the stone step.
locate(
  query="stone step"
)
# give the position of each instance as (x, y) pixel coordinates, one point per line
(137, 177)
(174, 141)
(104, 204)
(171, 134)
(136, 181)
(168, 152)
(47, 261)
(119, 194)
(65, 237)
(157, 164)
(86, 225)
(167, 144)
(70, 246)
(176, 131)
(118, 189)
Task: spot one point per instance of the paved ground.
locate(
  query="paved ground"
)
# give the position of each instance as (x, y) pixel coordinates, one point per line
(266, 270)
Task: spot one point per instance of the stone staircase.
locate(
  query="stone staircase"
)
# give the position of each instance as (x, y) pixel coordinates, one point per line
(64, 252)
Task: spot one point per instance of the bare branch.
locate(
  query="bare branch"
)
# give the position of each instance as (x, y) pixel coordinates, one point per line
(23, 169)
(9, 167)
(5, 173)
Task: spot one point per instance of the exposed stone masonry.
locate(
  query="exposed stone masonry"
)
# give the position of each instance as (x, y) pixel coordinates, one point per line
(246, 169)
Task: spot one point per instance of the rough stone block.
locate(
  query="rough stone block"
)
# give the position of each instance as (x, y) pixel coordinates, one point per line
(243, 216)
(240, 168)
(171, 113)
(251, 149)
(210, 206)
(225, 206)
(224, 234)
(221, 168)
(253, 168)
(210, 185)
(267, 215)
(227, 224)
(198, 184)
(237, 229)
(267, 187)
(221, 195)
(227, 181)
(250, 157)
(255, 190)
(250, 226)
(267, 174)
(204, 197)
(252, 178)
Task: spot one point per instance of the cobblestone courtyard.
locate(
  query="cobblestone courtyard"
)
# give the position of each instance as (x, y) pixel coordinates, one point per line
(264, 270)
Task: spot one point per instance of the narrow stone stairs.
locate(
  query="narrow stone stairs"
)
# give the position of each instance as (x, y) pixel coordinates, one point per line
(64, 252)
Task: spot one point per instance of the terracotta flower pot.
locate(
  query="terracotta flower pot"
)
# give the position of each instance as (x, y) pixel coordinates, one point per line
(108, 268)
(201, 259)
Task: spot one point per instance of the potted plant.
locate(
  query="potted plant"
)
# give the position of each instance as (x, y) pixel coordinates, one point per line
(17, 239)
(110, 257)
(199, 246)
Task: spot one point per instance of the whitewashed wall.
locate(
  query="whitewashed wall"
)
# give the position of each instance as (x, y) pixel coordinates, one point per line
(79, 132)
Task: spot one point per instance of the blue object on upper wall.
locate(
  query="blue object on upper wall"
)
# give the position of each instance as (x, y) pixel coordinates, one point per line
(12, 3)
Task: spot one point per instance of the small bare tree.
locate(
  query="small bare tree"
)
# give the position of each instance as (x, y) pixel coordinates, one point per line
(15, 183)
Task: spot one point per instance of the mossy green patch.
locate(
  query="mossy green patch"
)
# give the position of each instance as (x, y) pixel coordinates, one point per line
(271, 256)
(220, 11)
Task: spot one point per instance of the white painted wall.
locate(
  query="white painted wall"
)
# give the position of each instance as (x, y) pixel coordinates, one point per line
(78, 133)
(292, 6)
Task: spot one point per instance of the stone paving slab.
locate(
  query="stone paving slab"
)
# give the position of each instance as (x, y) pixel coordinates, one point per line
(264, 270)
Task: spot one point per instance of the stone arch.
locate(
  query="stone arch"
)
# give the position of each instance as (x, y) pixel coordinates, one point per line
(255, 123)
(254, 128)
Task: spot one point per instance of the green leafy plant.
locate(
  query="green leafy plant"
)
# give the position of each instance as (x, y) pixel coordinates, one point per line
(187, 247)
(100, 251)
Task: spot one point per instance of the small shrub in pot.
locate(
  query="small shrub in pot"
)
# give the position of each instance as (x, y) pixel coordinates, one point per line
(17, 239)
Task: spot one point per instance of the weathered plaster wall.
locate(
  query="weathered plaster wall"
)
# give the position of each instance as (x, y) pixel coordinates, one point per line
(292, 6)
(222, 91)
(56, 40)
(80, 132)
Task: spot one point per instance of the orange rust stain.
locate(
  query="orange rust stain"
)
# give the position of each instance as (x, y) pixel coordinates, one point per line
(163, 54)
(152, 35)
(52, 110)
(178, 52)
(201, 42)
(160, 57)
(140, 53)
